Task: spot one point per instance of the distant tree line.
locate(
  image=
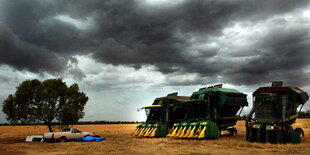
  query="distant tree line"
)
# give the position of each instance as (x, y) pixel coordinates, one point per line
(109, 122)
(304, 114)
(81, 123)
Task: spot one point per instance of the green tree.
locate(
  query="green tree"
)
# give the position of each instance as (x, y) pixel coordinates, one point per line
(48, 102)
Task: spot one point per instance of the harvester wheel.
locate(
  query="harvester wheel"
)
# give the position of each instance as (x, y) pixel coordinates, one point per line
(233, 132)
(219, 132)
(300, 131)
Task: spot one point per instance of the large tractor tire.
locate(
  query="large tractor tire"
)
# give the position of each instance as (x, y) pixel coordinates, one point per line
(219, 132)
(300, 131)
(233, 131)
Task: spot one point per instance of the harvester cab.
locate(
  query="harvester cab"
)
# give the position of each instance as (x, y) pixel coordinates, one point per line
(161, 115)
(274, 111)
(210, 110)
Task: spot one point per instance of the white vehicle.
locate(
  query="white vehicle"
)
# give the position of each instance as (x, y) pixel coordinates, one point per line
(65, 135)
(34, 138)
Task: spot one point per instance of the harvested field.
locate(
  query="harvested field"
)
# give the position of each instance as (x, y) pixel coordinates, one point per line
(119, 141)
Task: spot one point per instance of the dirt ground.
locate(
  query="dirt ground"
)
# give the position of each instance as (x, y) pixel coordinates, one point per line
(119, 141)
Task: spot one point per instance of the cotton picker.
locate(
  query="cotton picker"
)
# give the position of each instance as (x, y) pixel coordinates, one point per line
(210, 110)
(161, 115)
(274, 111)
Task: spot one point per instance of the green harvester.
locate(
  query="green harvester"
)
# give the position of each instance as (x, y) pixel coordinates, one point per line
(161, 115)
(274, 111)
(209, 111)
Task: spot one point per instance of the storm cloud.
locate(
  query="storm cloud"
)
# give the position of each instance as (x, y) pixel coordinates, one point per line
(26, 56)
(186, 37)
(281, 54)
(125, 53)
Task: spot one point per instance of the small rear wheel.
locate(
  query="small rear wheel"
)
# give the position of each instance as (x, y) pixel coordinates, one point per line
(233, 132)
(300, 131)
(62, 139)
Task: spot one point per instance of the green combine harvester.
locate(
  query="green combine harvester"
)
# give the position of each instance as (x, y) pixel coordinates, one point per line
(209, 111)
(274, 111)
(161, 115)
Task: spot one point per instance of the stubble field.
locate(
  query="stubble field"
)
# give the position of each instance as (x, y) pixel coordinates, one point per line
(119, 141)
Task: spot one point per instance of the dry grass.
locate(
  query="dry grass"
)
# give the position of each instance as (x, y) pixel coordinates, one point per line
(120, 142)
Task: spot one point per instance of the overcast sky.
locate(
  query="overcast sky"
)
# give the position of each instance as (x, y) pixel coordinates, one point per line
(125, 53)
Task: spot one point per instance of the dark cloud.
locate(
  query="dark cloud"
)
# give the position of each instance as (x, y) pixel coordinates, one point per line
(171, 45)
(140, 37)
(26, 56)
(283, 55)
(36, 22)
(134, 34)
(262, 10)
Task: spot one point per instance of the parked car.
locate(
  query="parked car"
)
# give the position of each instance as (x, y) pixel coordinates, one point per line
(67, 134)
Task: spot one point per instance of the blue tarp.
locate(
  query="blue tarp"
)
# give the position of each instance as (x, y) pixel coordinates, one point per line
(91, 138)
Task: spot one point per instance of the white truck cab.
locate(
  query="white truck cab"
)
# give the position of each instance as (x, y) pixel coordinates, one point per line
(65, 135)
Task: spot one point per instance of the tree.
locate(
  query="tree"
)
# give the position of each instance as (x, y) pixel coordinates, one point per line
(48, 102)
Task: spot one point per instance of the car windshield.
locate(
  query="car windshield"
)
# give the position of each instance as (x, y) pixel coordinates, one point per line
(153, 113)
(75, 131)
